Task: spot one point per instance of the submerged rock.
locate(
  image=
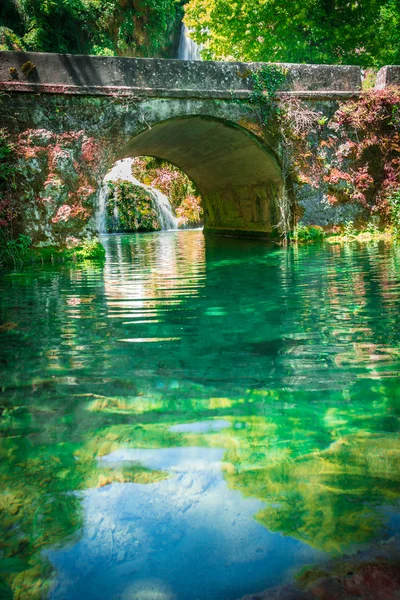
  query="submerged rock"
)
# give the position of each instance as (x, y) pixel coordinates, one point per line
(370, 575)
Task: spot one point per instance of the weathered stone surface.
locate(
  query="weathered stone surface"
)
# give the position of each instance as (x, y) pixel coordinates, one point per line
(66, 144)
(160, 77)
(388, 76)
(315, 209)
(96, 110)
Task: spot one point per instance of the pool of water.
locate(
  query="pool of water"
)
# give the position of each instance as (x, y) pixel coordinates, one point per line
(196, 419)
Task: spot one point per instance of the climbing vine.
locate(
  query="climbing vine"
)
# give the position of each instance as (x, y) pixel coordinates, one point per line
(299, 127)
(363, 152)
(267, 80)
(353, 157)
(12, 245)
(394, 210)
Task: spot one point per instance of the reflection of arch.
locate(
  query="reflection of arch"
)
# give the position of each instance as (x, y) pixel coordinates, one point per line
(238, 177)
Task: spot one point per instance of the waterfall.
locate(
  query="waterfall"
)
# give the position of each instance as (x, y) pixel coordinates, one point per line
(164, 209)
(101, 213)
(188, 49)
(123, 170)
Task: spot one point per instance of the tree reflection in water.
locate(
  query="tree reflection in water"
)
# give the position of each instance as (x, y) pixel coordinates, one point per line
(296, 352)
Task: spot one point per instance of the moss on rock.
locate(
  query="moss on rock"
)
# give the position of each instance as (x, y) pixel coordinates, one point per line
(131, 208)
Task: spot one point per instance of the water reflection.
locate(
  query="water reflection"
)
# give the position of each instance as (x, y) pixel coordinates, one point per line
(246, 381)
(188, 536)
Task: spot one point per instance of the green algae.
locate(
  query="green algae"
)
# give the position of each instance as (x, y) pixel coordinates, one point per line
(297, 351)
(87, 250)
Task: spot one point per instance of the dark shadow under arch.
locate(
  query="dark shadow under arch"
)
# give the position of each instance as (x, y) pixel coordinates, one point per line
(239, 179)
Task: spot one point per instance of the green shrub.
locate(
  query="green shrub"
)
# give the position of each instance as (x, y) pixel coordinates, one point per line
(307, 233)
(372, 228)
(349, 229)
(13, 250)
(89, 250)
(394, 210)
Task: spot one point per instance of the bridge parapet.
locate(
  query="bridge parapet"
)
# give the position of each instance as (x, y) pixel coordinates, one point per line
(388, 76)
(77, 115)
(103, 75)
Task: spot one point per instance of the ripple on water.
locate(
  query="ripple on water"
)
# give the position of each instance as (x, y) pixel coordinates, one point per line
(196, 418)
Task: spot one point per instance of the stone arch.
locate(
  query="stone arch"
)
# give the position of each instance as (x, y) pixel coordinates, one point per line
(239, 178)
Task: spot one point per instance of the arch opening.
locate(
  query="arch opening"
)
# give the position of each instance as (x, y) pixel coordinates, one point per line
(147, 194)
(239, 178)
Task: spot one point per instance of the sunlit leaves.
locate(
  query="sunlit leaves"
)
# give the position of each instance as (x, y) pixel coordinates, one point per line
(92, 26)
(312, 31)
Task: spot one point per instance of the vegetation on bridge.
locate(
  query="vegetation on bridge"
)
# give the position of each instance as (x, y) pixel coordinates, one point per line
(358, 158)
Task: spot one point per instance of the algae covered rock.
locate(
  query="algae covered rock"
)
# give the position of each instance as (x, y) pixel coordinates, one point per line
(131, 208)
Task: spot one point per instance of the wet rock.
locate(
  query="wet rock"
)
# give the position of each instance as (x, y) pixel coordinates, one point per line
(369, 575)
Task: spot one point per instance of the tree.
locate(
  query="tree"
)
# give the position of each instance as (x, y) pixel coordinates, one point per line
(363, 32)
(113, 27)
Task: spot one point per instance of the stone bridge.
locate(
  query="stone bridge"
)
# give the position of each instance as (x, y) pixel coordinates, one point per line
(71, 117)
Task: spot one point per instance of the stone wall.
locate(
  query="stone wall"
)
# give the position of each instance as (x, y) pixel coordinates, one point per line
(72, 117)
(388, 76)
(66, 144)
(158, 77)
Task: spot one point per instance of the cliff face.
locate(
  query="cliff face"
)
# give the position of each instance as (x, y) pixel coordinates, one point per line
(117, 28)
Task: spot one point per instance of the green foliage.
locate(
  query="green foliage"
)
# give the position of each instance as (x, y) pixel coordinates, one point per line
(13, 246)
(171, 181)
(88, 250)
(13, 250)
(21, 243)
(372, 228)
(19, 252)
(395, 118)
(28, 68)
(307, 233)
(9, 40)
(394, 210)
(349, 229)
(388, 32)
(369, 79)
(107, 27)
(314, 31)
(134, 207)
(266, 82)
(7, 168)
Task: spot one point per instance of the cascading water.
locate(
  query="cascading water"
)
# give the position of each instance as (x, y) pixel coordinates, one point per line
(188, 49)
(123, 170)
(101, 213)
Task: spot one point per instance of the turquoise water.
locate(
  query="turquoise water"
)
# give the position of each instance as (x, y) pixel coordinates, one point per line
(196, 419)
